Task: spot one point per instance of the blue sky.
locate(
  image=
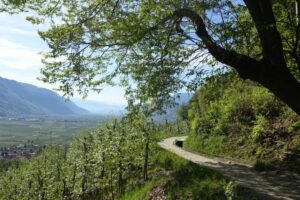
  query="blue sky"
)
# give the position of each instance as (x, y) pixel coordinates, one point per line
(20, 60)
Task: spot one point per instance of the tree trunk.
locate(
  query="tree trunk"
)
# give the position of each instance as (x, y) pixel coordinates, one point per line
(285, 87)
(271, 71)
(121, 191)
(146, 160)
(278, 80)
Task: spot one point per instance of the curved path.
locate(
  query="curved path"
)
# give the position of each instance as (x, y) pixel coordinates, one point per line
(269, 185)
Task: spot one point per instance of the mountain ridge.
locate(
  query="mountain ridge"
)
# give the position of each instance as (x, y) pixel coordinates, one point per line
(18, 98)
(96, 107)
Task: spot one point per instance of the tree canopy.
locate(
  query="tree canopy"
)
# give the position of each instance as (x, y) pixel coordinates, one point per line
(156, 48)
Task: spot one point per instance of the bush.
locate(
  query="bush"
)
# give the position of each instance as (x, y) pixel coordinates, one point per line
(260, 128)
(234, 128)
(182, 112)
(203, 126)
(239, 109)
(265, 103)
(231, 190)
(251, 121)
(295, 126)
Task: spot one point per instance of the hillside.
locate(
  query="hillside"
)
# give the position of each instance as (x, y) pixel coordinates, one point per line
(24, 99)
(230, 117)
(96, 107)
(171, 113)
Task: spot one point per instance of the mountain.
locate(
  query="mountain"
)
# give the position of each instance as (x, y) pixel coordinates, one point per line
(24, 99)
(170, 115)
(96, 107)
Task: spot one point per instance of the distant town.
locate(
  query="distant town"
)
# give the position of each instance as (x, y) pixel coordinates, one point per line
(25, 151)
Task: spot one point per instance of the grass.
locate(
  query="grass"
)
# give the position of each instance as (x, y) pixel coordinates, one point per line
(143, 191)
(280, 154)
(220, 145)
(182, 180)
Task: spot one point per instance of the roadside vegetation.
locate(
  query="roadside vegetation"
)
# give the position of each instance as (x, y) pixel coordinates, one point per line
(240, 119)
(119, 160)
(154, 49)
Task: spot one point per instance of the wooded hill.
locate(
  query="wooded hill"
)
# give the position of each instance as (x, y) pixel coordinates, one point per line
(241, 119)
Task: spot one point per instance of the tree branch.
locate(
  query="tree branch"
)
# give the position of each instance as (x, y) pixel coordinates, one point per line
(263, 17)
(245, 65)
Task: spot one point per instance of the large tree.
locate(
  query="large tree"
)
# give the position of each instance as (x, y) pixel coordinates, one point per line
(161, 46)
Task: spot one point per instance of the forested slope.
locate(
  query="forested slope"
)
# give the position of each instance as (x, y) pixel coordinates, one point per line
(236, 118)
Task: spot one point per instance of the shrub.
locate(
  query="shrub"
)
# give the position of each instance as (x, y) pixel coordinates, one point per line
(295, 126)
(182, 112)
(231, 191)
(202, 126)
(260, 128)
(265, 103)
(233, 128)
(239, 109)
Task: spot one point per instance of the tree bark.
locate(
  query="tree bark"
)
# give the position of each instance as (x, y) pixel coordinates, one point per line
(271, 71)
(146, 160)
(277, 79)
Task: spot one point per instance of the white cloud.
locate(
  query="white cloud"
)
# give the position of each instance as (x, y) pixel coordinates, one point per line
(17, 31)
(10, 44)
(20, 61)
(18, 56)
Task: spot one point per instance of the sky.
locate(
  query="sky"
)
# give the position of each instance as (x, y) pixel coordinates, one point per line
(20, 60)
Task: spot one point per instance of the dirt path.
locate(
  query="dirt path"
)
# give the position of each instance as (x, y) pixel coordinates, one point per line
(270, 185)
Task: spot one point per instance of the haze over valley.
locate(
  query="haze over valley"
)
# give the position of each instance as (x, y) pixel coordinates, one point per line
(41, 116)
(181, 100)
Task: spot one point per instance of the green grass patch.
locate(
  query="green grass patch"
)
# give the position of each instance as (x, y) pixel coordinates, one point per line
(182, 179)
(237, 147)
(139, 193)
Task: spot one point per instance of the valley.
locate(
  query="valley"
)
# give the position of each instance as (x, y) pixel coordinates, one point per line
(44, 130)
(149, 100)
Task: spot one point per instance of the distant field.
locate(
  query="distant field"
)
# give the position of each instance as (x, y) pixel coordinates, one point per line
(45, 130)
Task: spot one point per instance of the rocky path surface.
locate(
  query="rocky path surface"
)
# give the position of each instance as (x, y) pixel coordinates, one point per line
(269, 185)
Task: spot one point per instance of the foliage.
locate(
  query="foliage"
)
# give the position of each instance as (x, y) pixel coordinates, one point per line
(265, 104)
(231, 190)
(95, 164)
(295, 126)
(153, 48)
(108, 163)
(6, 164)
(260, 128)
(182, 112)
(181, 179)
(232, 117)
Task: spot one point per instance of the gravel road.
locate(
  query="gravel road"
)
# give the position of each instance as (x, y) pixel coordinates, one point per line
(269, 185)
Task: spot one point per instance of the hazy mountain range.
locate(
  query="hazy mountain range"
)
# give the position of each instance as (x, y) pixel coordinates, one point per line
(25, 99)
(96, 107)
(181, 98)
